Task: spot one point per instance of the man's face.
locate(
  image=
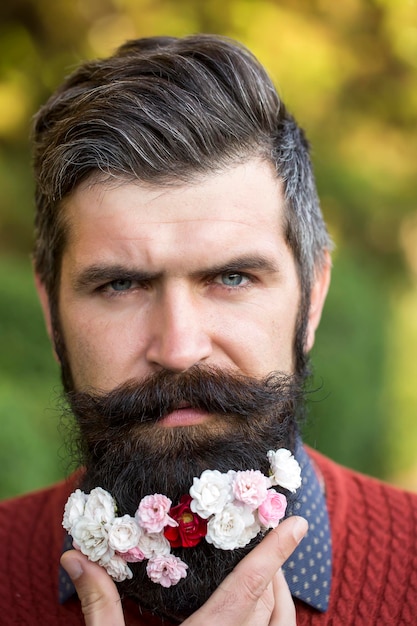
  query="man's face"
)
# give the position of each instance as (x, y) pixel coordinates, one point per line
(175, 305)
(170, 277)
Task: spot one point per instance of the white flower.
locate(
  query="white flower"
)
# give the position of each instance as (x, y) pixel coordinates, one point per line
(286, 471)
(92, 539)
(232, 528)
(124, 534)
(117, 568)
(154, 544)
(74, 509)
(210, 493)
(100, 506)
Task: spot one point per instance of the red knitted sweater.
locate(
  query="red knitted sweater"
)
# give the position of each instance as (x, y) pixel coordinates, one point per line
(374, 531)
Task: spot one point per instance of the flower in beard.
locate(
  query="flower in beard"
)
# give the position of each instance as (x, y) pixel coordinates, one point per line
(74, 509)
(152, 513)
(134, 555)
(100, 506)
(124, 534)
(191, 527)
(153, 544)
(117, 568)
(166, 570)
(233, 527)
(250, 487)
(91, 538)
(272, 509)
(286, 472)
(210, 493)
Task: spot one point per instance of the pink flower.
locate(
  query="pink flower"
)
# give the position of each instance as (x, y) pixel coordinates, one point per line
(152, 513)
(166, 570)
(134, 555)
(272, 509)
(250, 487)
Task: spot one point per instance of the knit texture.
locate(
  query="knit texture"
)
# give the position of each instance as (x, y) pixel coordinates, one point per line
(373, 527)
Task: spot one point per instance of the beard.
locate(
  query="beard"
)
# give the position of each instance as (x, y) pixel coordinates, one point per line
(128, 452)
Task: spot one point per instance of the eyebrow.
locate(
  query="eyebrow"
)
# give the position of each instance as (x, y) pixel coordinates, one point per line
(101, 274)
(258, 262)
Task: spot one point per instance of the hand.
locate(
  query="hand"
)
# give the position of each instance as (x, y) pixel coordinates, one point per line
(254, 594)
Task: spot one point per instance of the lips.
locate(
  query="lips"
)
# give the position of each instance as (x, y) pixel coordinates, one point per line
(184, 415)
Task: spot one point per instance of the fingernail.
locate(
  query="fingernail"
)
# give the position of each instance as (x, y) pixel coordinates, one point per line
(299, 528)
(72, 567)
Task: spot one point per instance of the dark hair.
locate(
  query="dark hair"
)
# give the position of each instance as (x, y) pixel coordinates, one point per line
(162, 110)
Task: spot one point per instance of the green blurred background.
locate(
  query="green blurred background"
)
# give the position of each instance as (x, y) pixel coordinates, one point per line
(348, 70)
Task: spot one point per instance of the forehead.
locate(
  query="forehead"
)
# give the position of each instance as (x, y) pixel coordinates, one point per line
(242, 206)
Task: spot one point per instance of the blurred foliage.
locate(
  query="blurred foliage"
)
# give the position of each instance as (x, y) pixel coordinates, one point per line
(348, 71)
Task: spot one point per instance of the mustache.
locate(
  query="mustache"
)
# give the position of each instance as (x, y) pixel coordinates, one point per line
(205, 388)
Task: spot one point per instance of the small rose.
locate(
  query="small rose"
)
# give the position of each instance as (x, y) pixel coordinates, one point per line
(74, 509)
(153, 544)
(117, 568)
(166, 570)
(272, 510)
(233, 527)
(91, 539)
(210, 493)
(152, 513)
(250, 487)
(100, 506)
(134, 555)
(124, 534)
(191, 527)
(286, 471)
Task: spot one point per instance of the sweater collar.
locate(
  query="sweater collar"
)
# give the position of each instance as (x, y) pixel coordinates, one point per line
(308, 570)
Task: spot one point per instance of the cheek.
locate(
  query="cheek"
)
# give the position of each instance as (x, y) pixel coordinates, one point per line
(86, 359)
(93, 352)
(263, 341)
(106, 351)
(281, 347)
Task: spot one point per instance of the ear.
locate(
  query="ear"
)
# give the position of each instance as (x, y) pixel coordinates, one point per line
(317, 299)
(44, 300)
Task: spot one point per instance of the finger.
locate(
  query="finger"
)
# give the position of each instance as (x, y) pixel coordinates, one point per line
(262, 610)
(100, 600)
(237, 597)
(284, 609)
(275, 607)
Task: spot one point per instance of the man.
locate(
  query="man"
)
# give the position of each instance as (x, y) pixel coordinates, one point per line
(182, 264)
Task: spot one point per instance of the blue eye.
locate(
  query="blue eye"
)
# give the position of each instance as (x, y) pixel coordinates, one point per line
(233, 279)
(123, 284)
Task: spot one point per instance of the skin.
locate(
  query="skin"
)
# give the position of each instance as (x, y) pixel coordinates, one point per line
(176, 276)
(170, 277)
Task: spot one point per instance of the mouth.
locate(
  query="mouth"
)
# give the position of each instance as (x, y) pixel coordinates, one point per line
(184, 415)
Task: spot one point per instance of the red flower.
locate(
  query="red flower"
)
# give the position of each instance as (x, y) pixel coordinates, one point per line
(191, 527)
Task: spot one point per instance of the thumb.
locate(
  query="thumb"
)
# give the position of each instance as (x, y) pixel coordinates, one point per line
(100, 600)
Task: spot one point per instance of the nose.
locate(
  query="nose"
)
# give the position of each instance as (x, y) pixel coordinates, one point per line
(178, 336)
